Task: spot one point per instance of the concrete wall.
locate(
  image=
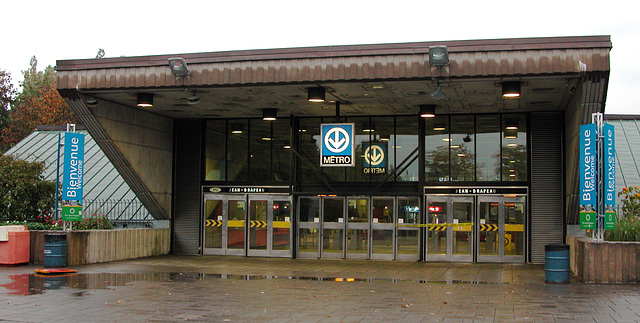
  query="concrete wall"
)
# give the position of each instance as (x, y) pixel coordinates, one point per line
(95, 246)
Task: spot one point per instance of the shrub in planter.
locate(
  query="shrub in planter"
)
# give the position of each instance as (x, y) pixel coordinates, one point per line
(628, 223)
(93, 222)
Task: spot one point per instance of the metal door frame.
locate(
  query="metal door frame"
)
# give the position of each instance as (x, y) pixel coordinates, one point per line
(246, 251)
(450, 227)
(333, 226)
(383, 226)
(357, 226)
(501, 200)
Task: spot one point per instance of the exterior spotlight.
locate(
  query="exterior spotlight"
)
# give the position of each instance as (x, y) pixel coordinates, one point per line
(145, 100)
(193, 99)
(269, 114)
(179, 66)
(91, 102)
(511, 90)
(438, 56)
(427, 110)
(315, 94)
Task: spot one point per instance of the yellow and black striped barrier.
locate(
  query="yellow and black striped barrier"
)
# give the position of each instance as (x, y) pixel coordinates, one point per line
(258, 224)
(489, 227)
(213, 223)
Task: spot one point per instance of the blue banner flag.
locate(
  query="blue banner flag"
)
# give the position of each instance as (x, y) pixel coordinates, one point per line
(73, 169)
(609, 165)
(588, 164)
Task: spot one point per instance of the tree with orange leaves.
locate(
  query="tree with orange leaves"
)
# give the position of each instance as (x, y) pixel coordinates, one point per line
(39, 103)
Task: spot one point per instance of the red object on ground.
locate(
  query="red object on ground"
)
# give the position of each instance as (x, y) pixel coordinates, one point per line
(16, 250)
(55, 271)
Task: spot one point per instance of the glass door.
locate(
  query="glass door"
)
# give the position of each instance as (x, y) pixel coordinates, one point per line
(501, 235)
(214, 235)
(309, 227)
(259, 216)
(234, 225)
(357, 228)
(408, 232)
(450, 228)
(382, 228)
(280, 227)
(333, 224)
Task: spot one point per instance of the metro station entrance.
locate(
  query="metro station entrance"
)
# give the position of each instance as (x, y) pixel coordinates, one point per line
(354, 227)
(247, 225)
(476, 228)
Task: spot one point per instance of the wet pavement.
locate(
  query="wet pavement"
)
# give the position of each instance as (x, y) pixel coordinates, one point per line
(237, 289)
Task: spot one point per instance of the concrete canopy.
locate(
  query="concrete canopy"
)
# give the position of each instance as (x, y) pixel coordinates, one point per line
(568, 74)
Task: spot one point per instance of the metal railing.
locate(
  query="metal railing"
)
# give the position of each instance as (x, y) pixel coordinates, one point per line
(118, 211)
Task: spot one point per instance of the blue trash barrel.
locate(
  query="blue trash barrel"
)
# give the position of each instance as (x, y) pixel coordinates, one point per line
(556, 263)
(55, 250)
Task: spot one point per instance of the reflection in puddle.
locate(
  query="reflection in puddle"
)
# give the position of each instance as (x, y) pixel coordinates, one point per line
(30, 284)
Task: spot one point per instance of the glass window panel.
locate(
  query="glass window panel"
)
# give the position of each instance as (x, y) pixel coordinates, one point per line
(213, 229)
(215, 150)
(382, 210)
(488, 142)
(408, 242)
(408, 210)
(380, 161)
(308, 240)
(437, 149)
(404, 153)
(462, 147)
(237, 152)
(281, 151)
(382, 242)
(363, 134)
(333, 210)
(309, 139)
(260, 150)
(514, 147)
(358, 210)
(309, 209)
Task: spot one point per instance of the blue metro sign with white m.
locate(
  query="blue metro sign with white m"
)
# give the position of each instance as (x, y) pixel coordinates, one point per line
(337, 144)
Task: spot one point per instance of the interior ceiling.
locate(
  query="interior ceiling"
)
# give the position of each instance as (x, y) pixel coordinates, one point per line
(480, 95)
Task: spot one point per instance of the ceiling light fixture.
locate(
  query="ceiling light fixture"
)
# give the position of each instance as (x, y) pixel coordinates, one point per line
(269, 114)
(316, 94)
(511, 90)
(91, 102)
(427, 110)
(193, 99)
(145, 100)
(178, 66)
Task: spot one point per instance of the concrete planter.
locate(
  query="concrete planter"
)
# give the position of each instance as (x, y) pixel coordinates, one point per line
(95, 246)
(604, 262)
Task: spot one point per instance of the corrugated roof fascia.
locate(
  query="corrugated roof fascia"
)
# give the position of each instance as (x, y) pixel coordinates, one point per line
(483, 45)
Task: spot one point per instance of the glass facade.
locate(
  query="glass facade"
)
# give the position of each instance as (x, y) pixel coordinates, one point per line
(476, 148)
(458, 148)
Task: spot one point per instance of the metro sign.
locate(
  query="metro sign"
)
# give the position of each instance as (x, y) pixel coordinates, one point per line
(337, 144)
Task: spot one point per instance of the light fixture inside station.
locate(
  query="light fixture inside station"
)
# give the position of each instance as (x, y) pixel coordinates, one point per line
(145, 100)
(427, 110)
(511, 90)
(269, 114)
(178, 66)
(316, 94)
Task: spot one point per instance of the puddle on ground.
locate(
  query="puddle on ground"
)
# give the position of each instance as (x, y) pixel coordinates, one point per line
(31, 284)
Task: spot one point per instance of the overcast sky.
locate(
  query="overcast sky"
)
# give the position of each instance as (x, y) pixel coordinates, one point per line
(57, 30)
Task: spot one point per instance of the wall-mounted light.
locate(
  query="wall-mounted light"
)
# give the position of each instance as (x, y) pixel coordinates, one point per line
(315, 94)
(145, 100)
(427, 110)
(438, 55)
(91, 102)
(269, 114)
(178, 66)
(511, 90)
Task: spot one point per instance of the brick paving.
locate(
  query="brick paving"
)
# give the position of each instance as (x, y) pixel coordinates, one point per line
(236, 289)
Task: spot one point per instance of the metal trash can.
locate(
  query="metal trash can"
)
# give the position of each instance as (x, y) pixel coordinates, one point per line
(556, 264)
(55, 250)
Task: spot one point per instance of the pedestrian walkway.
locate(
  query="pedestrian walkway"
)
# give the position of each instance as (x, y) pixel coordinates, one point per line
(237, 289)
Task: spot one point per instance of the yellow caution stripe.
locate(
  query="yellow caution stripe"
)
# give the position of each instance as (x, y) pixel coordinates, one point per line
(213, 223)
(489, 227)
(513, 227)
(282, 224)
(235, 224)
(258, 224)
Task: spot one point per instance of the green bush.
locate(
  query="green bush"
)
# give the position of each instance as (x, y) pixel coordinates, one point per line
(93, 222)
(628, 222)
(24, 193)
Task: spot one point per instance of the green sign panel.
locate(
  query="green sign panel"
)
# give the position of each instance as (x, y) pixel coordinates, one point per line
(588, 220)
(609, 220)
(71, 213)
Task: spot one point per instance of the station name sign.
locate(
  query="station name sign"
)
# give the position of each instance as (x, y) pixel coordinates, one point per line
(337, 144)
(245, 189)
(476, 190)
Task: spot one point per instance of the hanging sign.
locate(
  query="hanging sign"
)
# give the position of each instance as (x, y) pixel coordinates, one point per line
(374, 159)
(72, 178)
(588, 173)
(337, 144)
(610, 176)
